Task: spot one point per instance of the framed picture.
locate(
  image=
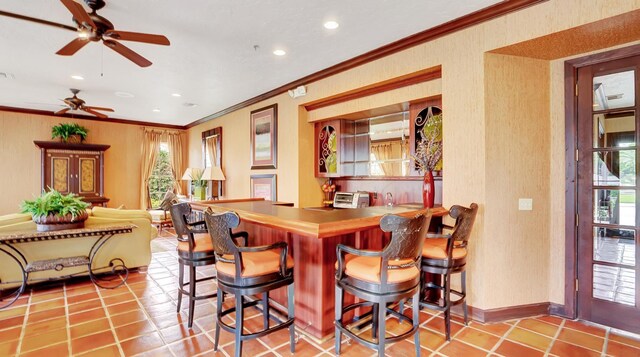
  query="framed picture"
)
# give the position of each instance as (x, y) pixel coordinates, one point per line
(264, 186)
(264, 147)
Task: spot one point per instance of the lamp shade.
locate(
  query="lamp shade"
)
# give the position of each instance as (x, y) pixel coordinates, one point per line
(187, 174)
(213, 174)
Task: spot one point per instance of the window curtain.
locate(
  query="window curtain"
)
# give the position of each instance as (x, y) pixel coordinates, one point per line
(150, 147)
(383, 152)
(212, 151)
(211, 145)
(174, 139)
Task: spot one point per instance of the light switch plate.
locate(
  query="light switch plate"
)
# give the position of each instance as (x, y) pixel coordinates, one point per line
(525, 204)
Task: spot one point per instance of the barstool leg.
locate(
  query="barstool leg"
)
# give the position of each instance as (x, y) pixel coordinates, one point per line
(374, 319)
(265, 309)
(463, 278)
(416, 321)
(338, 315)
(290, 308)
(192, 294)
(239, 324)
(447, 302)
(180, 284)
(218, 317)
(382, 313)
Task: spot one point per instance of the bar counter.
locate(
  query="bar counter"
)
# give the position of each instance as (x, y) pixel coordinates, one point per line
(312, 236)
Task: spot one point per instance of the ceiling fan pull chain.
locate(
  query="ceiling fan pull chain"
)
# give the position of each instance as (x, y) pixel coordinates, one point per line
(101, 61)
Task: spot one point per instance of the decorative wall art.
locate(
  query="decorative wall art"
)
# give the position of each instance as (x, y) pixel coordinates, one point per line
(264, 124)
(264, 186)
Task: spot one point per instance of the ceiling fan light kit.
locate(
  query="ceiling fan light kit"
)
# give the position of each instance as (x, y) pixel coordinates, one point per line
(91, 27)
(75, 103)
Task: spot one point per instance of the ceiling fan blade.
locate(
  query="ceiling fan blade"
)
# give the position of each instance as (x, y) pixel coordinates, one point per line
(89, 110)
(39, 21)
(127, 52)
(79, 13)
(138, 37)
(60, 112)
(100, 108)
(72, 47)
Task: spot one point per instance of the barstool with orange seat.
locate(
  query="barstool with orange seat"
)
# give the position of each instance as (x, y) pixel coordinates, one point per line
(245, 271)
(194, 250)
(381, 277)
(446, 254)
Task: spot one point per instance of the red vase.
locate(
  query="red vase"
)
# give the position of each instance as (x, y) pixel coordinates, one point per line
(428, 190)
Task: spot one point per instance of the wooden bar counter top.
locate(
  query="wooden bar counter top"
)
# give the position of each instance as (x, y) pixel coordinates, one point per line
(312, 236)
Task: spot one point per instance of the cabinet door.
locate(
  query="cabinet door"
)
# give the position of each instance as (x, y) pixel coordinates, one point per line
(59, 171)
(88, 175)
(327, 149)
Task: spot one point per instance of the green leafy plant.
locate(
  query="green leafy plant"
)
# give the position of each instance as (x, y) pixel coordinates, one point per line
(65, 130)
(196, 178)
(55, 203)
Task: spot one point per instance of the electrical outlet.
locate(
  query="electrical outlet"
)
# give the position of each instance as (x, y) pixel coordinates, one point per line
(525, 204)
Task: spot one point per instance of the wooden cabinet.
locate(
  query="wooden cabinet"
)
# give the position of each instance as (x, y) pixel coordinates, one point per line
(74, 168)
(334, 148)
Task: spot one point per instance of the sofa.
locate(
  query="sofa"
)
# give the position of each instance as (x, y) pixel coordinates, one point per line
(133, 248)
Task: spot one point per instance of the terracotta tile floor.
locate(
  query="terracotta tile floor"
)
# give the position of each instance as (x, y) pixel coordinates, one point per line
(139, 318)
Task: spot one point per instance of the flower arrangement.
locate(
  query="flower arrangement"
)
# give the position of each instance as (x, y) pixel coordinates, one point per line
(328, 188)
(55, 211)
(429, 148)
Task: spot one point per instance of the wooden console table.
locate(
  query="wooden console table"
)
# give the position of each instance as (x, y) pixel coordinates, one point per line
(104, 233)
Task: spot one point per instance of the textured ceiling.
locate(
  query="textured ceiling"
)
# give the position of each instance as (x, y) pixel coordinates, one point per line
(213, 60)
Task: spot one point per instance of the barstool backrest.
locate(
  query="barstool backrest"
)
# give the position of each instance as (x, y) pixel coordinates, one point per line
(179, 214)
(465, 217)
(407, 235)
(220, 226)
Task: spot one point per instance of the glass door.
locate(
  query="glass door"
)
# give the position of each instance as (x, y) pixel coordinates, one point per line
(608, 273)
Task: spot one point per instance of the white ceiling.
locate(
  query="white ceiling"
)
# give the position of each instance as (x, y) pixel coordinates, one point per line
(211, 61)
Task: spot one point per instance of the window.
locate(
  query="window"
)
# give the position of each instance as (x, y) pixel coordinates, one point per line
(161, 179)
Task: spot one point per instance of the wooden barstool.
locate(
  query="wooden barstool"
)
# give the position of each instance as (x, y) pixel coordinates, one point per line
(194, 250)
(381, 277)
(446, 254)
(245, 271)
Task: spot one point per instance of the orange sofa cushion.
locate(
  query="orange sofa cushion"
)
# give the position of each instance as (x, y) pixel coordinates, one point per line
(202, 243)
(255, 263)
(437, 249)
(368, 269)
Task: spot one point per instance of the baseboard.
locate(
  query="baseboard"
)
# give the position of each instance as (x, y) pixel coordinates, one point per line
(507, 313)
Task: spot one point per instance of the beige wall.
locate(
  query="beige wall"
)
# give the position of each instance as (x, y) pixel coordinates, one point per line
(20, 158)
(512, 260)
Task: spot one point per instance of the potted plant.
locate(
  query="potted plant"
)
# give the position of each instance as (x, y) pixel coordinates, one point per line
(69, 132)
(54, 211)
(199, 184)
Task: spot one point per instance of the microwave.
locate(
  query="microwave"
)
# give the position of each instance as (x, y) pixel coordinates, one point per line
(351, 199)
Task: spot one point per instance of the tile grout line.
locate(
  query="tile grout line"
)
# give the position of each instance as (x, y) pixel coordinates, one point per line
(108, 315)
(605, 346)
(503, 337)
(446, 343)
(555, 338)
(149, 320)
(24, 322)
(66, 316)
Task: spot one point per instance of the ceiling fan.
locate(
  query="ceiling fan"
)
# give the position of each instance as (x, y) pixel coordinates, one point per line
(75, 103)
(92, 27)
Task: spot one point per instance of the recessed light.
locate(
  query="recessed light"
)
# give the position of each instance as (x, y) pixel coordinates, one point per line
(176, 95)
(78, 77)
(124, 95)
(279, 52)
(331, 25)
(156, 110)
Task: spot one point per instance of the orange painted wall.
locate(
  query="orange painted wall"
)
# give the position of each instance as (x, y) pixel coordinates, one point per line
(20, 159)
